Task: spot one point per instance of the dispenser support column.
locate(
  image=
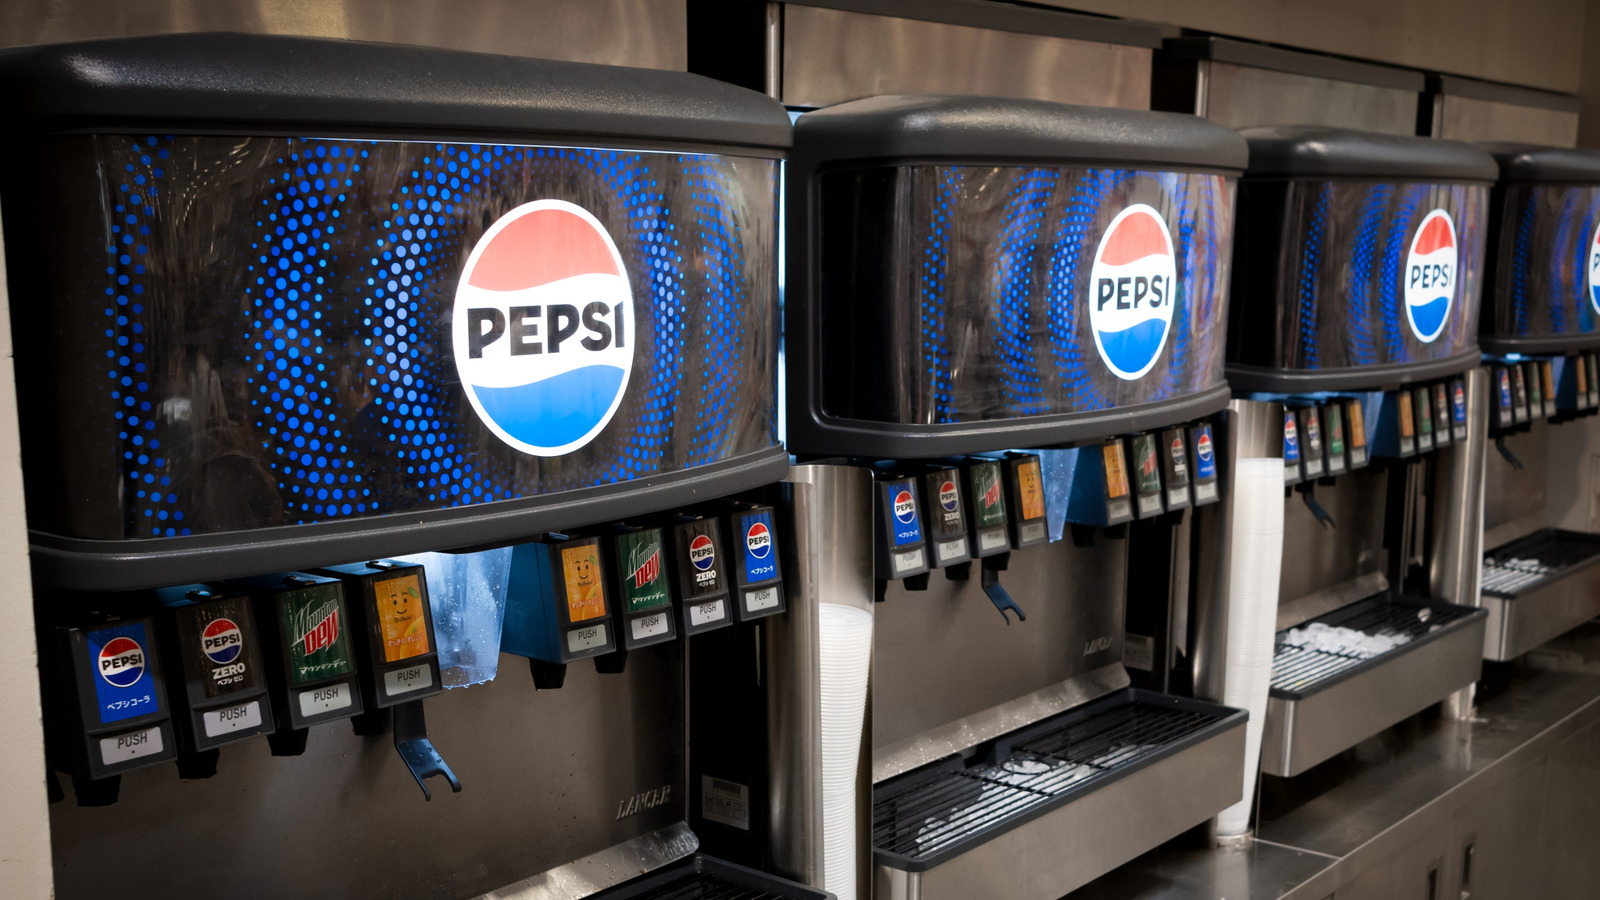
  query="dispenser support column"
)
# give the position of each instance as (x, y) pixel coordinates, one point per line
(1456, 554)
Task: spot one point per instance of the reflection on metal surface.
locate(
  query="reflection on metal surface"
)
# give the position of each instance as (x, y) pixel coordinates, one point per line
(1550, 608)
(1318, 559)
(1457, 507)
(1245, 96)
(1470, 119)
(646, 33)
(1309, 606)
(829, 561)
(944, 657)
(604, 868)
(830, 56)
(940, 742)
(1514, 499)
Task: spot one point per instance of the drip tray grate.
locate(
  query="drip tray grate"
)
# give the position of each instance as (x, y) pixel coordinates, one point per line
(709, 878)
(1318, 652)
(1530, 562)
(951, 805)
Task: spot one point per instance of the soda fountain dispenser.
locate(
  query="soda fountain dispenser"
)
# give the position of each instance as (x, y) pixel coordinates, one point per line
(1541, 320)
(305, 304)
(1356, 276)
(971, 279)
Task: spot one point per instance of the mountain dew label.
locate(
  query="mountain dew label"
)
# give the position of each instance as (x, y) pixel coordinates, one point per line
(402, 621)
(313, 623)
(1335, 424)
(644, 584)
(989, 497)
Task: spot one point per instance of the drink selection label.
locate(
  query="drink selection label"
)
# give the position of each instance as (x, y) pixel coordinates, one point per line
(644, 579)
(990, 499)
(580, 570)
(1030, 487)
(402, 619)
(1116, 472)
(124, 685)
(313, 622)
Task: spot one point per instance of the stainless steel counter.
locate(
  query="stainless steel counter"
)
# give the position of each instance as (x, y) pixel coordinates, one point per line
(1507, 804)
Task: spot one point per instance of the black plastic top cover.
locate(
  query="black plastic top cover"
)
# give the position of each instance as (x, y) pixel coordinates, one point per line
(264, 79)
(896, 128)
(1536, 164)
(1315, 151)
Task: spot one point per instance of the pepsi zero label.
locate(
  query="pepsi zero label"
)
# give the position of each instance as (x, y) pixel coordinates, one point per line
(700, 559)
(124, 685)
(218, 645)
(757, 547)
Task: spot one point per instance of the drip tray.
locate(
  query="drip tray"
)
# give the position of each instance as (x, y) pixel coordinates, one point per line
(708, 878)
(1538, 587)
(1342, 677)
(1056, 805)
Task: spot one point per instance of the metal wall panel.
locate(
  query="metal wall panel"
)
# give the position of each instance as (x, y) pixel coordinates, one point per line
(1245, 96)
(1472, 119)
(830, 56)
(646, 33)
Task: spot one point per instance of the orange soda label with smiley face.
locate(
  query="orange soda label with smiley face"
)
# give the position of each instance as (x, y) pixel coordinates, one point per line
(401, 618)
(586, 597)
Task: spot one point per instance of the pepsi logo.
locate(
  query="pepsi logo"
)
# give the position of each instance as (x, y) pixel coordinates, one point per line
(905, 509)
(758, 540)
(948, 496)
(1291, 437)
(1460, 404)
(1431, 276)
(1178, 458)
(1593, 277)
(1202, 448)
(221, 641)
(122, 662)
(1131, 291)
(543, 328)
(1505, 388)
(701, 552)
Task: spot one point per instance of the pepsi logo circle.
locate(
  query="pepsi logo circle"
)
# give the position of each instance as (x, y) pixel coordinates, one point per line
(121, 662)
(1202, 448)
(1430, 276)
(905, 509)
(1132, 287)
(758, 540)
(1593, 270)
(221, 641)
(543, 328)
(701, 552)
(948, 496)
(1178, 458)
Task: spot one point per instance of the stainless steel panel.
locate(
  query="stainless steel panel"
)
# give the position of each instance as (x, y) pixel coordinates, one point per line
(1316, 557)
(831, 562)
(1516, 497)
(1245, 96)
(1567, 866)
(1519, 625)
(1505, 826)
(647, 33)
(1457, 509)
(545, 775)
(830, 56)
(1471, 119)
(1071, 846)
(1293, 612)
(1298, 734)
(954, 737)
(599, 870)
(1250, 430)
(945, 654)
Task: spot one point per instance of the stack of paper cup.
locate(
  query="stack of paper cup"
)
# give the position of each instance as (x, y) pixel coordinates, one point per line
(1257, 539)
(845, 638)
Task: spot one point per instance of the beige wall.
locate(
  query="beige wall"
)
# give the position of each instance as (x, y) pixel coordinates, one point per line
(1537, 43)
(1589, 87)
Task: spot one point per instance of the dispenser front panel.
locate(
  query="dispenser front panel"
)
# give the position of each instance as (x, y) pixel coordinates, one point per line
(1546, 265)
(957, 294)
(233, 333)
(1338, 274)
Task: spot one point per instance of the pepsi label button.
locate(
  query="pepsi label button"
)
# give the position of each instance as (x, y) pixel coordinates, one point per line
(317, 701)
(1205, 491)
(706, 613)
(951, 550)
(580, 639)
(229, 719)
(907, 561)
(404, 681)
(992, 540)
(648, 626)
(765, 598)
(133, 745)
